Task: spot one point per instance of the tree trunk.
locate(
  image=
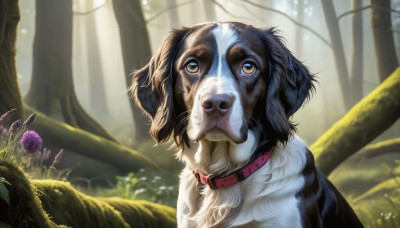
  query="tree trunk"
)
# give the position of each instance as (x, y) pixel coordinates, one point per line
(86, 144)
(209, 10)
(9, 91)
(299, 30)
(97, 93)
(136, 52)
(173, 14)
(52, 88)
(357, 66)
(378, 149)
(383, 37)
(365, 121)
(338, 51)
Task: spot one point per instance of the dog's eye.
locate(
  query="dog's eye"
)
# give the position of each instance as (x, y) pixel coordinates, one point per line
(248, 68)
(192, 67)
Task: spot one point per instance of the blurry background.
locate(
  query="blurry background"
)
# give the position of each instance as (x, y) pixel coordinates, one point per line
(74, 58)
(98, 64)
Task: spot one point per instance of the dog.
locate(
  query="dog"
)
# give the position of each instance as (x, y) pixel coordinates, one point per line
(225, 92)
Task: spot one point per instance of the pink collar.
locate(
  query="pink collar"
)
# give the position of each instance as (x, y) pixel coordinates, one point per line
(215, 182)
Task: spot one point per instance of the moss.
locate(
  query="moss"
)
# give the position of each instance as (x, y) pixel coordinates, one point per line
(354, 177)
(143, 213)
(34, 202)
(68, 206)
(87, 144)
(380, 209)
(366, 120)
(24, 209)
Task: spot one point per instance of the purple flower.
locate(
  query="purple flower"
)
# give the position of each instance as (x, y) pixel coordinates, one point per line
(31, 141)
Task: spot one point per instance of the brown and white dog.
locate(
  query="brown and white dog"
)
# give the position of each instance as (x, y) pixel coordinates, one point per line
(225, 92)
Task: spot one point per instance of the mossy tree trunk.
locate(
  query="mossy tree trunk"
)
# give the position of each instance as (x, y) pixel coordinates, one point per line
(365, 121)
(9, 91)
(379, 148)
(136, 50)
(52, 88)
(89, 145)
(385, 50)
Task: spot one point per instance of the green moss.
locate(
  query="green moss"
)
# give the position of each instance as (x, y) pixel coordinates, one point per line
(380, 209)
(144, 214)
(68, 206)
(366, 120)
(33, 202)
(354, 177)
(87, 144)
(390, 143)
(24, 209)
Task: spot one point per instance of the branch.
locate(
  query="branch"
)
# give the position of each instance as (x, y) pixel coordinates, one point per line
(363, 123)
(292, 20)
(361, 9)
(380, 148)
(89, 145)
(168, 9)
(90, 11)
(227, 11)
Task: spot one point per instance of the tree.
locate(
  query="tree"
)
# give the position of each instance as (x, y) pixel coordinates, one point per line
(97, 93)
(338, 50)
(365, 121)
(52, 88)
(209, 10)
(9, 91)
(136, 52)
(383, 37)
(357, 58)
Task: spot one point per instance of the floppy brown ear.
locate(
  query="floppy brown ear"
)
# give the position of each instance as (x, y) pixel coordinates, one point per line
(152, 87)
(289, 84)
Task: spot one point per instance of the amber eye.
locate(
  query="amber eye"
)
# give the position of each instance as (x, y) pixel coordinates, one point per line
(248, 68)
(192, 67)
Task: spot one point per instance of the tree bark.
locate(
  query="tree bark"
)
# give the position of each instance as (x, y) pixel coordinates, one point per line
(383, 37)
(357, 66)
(136, 53)
(9, 91)
(365, 121)
(338, 51)
(52, 88)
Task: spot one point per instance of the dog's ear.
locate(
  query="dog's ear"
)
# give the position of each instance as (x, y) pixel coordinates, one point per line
(289, 84)
(152, 87)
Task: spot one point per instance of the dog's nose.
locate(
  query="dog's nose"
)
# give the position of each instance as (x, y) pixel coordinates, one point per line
(217, 103)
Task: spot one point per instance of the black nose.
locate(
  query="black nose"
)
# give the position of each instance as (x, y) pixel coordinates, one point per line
(217, 103)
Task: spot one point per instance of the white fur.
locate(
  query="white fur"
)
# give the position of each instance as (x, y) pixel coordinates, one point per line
(224, 37)
(217, 86)
(265, 199)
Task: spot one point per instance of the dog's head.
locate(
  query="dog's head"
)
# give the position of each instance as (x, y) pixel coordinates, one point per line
(216, 81)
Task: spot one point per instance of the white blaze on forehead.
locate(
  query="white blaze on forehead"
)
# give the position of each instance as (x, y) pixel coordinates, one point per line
(224, 37)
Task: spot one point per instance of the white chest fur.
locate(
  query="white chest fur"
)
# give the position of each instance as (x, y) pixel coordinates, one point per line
(265, 199)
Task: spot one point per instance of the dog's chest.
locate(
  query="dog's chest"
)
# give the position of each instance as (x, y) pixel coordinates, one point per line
(248, 204)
